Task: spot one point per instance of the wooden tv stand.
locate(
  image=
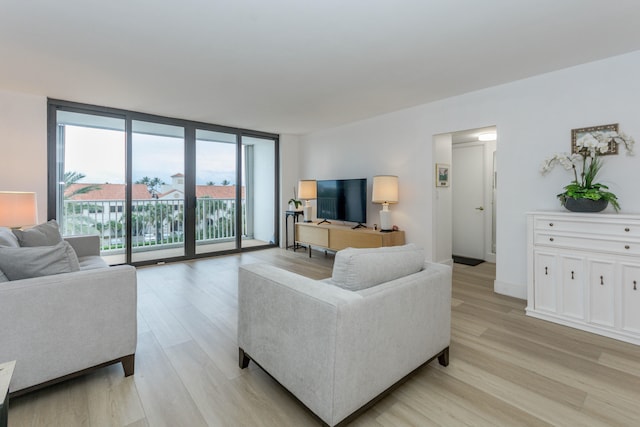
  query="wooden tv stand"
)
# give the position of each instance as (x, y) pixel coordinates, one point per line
(337, 237)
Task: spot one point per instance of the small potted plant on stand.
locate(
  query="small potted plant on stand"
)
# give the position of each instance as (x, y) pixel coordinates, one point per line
(294, 203)
(583, 194)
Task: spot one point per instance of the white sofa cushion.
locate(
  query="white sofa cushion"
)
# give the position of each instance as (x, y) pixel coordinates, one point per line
(24, 263)
(356, 269)
(7, 238)
(92, 262)
(47, 234)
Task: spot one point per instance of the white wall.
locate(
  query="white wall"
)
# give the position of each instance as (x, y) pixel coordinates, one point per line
(534, 118)
(23, 146)
(442, 202)
(289, 175)
(263, 185)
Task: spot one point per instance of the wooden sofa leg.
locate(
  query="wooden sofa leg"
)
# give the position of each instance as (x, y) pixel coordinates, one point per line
(129, 364)
(443, 358)
(243, 358)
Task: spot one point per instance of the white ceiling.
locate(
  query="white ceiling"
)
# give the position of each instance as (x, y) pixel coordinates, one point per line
(295, 66)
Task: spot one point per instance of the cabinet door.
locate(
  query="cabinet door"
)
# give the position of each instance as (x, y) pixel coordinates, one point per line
(313, 235)
(572, 286)
(602, 292)
(544, 293)
(631, 297)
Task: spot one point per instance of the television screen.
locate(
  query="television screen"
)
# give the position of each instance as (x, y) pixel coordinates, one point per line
(342, 200)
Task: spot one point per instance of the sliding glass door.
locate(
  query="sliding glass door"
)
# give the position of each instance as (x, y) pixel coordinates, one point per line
(157, 201)
(258, 184)
(158, 189)
(216, 191)
(90, 180)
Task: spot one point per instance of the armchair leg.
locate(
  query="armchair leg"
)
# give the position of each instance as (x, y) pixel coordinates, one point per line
(128, 364)
(243, 359)
(443, 358)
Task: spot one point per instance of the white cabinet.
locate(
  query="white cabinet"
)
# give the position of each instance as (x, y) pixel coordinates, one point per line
(584, 271)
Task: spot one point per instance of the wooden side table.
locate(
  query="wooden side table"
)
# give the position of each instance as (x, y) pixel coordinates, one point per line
(6, 371)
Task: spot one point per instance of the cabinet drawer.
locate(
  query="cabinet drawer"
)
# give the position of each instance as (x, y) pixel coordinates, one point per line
(612, 227)
(623, 247)
(339, 240)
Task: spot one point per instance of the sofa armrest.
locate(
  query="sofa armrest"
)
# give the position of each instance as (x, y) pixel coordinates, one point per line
(61, 324)
(87, 245)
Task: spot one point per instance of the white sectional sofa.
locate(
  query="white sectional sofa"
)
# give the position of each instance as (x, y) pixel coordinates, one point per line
(61, 325)
(339, 344)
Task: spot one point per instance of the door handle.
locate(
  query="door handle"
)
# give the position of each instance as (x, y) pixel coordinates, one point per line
(480, 208)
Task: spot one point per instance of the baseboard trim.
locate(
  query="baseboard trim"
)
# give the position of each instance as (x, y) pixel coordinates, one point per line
(510, 289)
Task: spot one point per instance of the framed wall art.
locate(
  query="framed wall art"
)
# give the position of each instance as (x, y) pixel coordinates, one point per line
(577, 133)
(442, 175)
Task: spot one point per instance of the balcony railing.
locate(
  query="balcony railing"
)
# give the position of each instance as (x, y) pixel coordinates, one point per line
(154, 223)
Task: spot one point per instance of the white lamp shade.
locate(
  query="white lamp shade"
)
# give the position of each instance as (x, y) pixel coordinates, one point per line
(307, 189)
(17, 209)
(385, 189)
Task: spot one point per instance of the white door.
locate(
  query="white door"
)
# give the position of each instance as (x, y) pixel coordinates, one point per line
(467, 183)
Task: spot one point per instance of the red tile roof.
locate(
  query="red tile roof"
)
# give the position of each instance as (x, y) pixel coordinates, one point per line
(140, 192)
(217, 191)
(108, 192)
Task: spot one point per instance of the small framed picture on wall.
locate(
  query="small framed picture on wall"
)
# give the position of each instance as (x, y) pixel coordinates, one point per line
(442, 175)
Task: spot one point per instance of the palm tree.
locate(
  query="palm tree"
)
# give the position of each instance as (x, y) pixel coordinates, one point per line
(72, 177)
(153, 185)
(74, 214)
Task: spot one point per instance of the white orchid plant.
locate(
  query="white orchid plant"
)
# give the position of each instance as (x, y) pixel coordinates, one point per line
(589, 147)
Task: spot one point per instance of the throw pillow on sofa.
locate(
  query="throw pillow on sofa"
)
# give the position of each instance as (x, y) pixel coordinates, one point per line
(7, 238)
(47, 234)
(27, 262)
(356, 269)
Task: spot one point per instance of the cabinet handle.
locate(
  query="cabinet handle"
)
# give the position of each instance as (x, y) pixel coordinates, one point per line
(601, 280)
(635, 288)
(626, 229)
(546, 272)
(627, 246)
(550, 224)
(551, 239)
(572, 275)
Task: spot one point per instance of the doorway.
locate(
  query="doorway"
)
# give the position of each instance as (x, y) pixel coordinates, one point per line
(473, 195)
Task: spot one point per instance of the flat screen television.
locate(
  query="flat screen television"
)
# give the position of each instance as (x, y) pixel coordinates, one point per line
(342, 200)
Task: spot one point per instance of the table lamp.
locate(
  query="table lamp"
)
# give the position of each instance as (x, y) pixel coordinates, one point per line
(17, 209)
(307, 191)
(385, 191)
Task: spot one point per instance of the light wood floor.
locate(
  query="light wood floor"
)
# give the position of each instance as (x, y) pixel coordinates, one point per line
(506, 369)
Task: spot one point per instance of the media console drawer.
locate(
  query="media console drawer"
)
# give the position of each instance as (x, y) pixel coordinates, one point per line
(336, 237)
(312, 235)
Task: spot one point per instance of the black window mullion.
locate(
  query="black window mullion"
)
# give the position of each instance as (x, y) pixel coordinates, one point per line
(190, 191)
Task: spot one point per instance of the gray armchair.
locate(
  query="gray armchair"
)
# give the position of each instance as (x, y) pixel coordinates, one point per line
(339, 350)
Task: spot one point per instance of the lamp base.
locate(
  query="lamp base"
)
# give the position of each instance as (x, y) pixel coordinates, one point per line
(385, 220)
(307, 213)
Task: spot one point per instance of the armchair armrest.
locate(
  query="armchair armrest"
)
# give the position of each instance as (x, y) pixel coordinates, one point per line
(287, 324)
(87, 245)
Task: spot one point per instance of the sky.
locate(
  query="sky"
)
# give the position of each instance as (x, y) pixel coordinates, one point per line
(100, 155)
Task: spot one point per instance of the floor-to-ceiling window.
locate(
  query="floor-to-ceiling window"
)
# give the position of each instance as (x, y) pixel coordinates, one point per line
(156, 188)
(216, 188)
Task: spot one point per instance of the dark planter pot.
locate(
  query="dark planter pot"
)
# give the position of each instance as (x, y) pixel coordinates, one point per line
(585, 205)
